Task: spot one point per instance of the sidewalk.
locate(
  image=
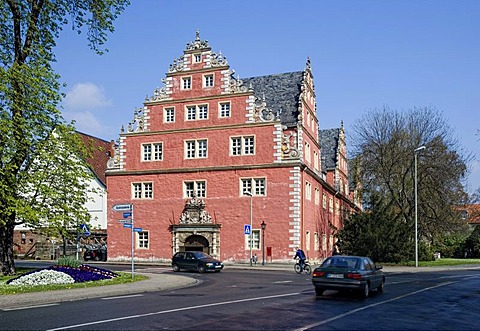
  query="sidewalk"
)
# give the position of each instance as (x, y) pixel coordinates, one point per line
(165, 282)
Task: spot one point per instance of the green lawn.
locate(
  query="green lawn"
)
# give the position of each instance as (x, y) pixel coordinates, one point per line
(439, 263)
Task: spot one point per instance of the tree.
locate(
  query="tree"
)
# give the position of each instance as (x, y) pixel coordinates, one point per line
(376, 233)
(29, 90)
(385, 140)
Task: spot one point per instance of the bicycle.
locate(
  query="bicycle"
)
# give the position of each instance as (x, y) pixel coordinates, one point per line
(307, 268)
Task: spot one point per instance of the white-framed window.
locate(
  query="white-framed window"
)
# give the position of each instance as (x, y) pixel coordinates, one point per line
(191, 113)
(202, 112)
(143, 240)
(307, 152)
(194, 112)
(152, 152)
(242, 145)
(307, 240)
(330, 205)
(324, 242)
(255, 240)
(224, 109)
(186, 83)
(324, 201)
(142, 190)
(315, 160)
(316, 240)
(196, 149)
(255, 186)
(308, 191)
(208, 80)
(197, 188)
(317, 196)
(169, 115)
(197, 58)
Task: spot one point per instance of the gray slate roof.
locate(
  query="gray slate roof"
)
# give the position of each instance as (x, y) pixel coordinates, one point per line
(281, 91)
(329, 147)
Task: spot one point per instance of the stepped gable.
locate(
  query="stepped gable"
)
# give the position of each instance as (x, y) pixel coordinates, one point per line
(281, 93)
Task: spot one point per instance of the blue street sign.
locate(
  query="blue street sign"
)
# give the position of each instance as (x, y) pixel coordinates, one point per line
(247, 229)
(85, 229)
(126, 215)
(127, 225)
(137, 229)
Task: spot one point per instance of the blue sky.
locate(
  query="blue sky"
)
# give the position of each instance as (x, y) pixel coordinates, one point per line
(364, 55)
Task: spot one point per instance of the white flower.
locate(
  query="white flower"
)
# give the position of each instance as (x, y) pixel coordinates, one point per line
(44, 277)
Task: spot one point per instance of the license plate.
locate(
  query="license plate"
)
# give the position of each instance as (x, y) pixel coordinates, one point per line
(335, 276)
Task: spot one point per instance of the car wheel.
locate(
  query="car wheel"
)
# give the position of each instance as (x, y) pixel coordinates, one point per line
(319, 291)
(175, 267)
(366, 291)
(381, 287)
(201, 269)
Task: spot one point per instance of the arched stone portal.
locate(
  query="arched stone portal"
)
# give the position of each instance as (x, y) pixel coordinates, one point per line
(196, 230)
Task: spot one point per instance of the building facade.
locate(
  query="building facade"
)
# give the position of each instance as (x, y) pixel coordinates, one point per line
(209, 154)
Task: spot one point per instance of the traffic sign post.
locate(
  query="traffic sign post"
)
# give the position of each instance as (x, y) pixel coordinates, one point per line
(127, 209)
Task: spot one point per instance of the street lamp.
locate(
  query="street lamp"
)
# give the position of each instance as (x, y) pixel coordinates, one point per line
(264, 225)
(416, 205)
(251, 228)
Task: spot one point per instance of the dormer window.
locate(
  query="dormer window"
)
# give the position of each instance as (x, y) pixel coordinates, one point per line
(197, 58)
(186, 83)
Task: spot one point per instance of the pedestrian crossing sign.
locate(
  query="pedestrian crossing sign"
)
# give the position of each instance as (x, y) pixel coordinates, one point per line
(247, 229)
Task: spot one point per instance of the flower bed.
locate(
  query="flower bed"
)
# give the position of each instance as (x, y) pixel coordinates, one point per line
(59, 274)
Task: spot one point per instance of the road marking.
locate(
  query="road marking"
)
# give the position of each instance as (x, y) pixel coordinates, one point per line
(283, 281)
(30, 307)
(123, 297)
(173, 311)
(328, 320)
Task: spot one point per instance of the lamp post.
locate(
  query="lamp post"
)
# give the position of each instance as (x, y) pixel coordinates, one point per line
(264, 225)
(416, 205)
(251, 221)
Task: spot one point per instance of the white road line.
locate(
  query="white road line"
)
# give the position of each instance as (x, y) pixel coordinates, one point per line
(173, 311)
(283, 281)
(30, 307)
(328, 320)
(123, 297)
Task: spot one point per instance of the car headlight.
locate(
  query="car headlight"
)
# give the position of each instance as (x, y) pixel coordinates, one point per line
(209, 264)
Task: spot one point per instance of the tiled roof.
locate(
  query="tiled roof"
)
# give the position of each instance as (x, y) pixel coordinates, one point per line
(472, 213)
(281, 92)
(100, 151)
(329, 147)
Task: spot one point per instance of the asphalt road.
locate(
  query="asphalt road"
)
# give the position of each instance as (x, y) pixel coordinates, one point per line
(270, 300)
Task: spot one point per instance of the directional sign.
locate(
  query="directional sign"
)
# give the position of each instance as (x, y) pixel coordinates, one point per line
(137, 229)
(127, 215)
(85, 229)
(247, 229)
(125, 221)
(127, 225)
(123, 207)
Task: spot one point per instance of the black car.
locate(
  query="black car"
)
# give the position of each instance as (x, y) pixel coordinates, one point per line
(95, 253)
(198, 261)
(348, 273)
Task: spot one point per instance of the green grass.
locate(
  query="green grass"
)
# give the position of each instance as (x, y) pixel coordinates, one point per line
(437, 263)
(123, 278)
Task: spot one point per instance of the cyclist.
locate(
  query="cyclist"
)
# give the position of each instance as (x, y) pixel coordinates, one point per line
(300, 254)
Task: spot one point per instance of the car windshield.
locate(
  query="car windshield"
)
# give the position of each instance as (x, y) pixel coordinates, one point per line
(341, 261)
(201, 255)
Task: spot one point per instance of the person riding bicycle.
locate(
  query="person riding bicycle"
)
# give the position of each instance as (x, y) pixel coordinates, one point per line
(300, 254)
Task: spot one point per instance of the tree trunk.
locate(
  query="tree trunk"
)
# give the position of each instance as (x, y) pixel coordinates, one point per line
(6, 249)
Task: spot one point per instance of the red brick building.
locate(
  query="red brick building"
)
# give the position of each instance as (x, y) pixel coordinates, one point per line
(209, 153)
